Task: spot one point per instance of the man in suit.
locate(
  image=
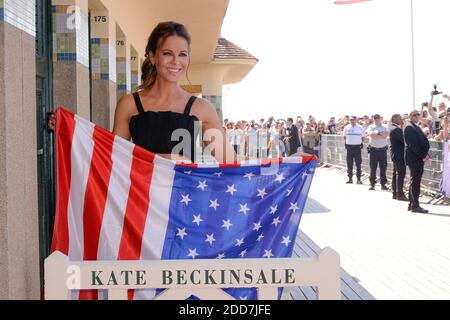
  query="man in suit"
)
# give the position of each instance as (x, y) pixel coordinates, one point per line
(292, 137)
(416, 154)
(398, 157)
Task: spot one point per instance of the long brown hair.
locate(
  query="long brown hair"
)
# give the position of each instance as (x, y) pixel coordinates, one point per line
(162, 31)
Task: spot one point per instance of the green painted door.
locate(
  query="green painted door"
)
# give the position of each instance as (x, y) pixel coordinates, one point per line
(44, 105)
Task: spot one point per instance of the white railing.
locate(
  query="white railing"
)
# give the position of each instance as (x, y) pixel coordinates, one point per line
(201, 278)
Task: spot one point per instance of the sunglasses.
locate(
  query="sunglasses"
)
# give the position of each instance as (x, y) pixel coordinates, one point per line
(416, 114)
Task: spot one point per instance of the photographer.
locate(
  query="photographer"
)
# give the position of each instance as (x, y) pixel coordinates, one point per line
(435, 113)
(331, 127)
(378, 147)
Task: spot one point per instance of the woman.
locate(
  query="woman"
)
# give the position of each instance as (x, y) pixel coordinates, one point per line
(444, 133)
(160, 107)
(153, 116)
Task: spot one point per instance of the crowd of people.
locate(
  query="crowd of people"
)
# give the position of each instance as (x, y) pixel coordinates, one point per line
(284, 137)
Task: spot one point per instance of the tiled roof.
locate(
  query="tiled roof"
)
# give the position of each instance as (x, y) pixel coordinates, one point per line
(227, 50)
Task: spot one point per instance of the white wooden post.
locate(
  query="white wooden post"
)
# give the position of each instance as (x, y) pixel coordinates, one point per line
(329, 275)
(55, 277)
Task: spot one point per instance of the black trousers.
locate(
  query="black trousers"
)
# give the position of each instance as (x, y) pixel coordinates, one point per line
(354, 155)
(378, 158)
(416, 170)
(398, 177)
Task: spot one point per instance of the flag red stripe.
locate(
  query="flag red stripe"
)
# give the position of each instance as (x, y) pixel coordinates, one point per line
(65, 128)
(137, 206)
(95, 198)
(97, 191)
(350, 1)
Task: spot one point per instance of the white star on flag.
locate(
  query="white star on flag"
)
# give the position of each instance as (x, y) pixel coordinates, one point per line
(268, 254)
(210, 239)
(193, 253)
(260, 237)
(231, 190)
(202, 185)
(214, 204)
(280, 178)
(182, 233)
(262, 193)
(188, 172)
(239, 242)
(244, 209)
(289, 192)
(305, 175)
(221, 256)
(185, 200)
(219, 174)
(249, 176)
(243, 298)
(197, 219)
(257, 226)
(227, 224)
(286, 241)
(294, 207)
(273, 209)
(276, 221)
(243, 253)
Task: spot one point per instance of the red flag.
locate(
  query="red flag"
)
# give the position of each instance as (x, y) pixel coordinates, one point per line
(350, 1)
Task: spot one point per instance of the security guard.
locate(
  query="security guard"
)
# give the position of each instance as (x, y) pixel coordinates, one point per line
(398, 157)
(354, 143)
(378, 147)
(416, 155)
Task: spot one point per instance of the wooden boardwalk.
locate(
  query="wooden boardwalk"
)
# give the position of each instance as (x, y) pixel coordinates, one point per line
(386, 252)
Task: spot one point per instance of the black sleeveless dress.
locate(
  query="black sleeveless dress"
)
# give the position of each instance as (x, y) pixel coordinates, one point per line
(153, 130)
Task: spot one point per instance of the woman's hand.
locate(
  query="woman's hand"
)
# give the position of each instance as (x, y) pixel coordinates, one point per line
(301, 154)
(52, 121)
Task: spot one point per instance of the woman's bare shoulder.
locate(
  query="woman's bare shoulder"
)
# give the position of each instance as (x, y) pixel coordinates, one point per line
(126, 106)
(203, 109)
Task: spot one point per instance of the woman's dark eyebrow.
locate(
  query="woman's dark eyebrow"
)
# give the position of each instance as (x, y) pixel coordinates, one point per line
(183, 51)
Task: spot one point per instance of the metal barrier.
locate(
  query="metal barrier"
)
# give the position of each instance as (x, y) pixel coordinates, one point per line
(333, 152)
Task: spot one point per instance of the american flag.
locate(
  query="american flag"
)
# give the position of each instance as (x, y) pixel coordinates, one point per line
(117, 201)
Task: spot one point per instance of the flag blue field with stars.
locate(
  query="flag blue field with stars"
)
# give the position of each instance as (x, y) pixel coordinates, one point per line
(237, 212)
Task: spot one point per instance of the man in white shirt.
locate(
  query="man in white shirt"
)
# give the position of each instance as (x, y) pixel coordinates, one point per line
(354, 143)
(378, 147)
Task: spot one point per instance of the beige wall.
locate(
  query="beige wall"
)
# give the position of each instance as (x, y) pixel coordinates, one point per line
(71, 87)
(203, 18)
(19, 237)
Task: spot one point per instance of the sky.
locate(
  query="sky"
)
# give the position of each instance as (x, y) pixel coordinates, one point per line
(321, 59)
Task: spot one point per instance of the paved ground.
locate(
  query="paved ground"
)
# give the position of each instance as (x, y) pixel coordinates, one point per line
(392, 253)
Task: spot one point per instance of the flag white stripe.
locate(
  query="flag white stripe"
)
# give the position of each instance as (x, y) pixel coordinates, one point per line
(293, 160)
(117, 199)
(81, 157)
(157, 216)
(116, 203)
